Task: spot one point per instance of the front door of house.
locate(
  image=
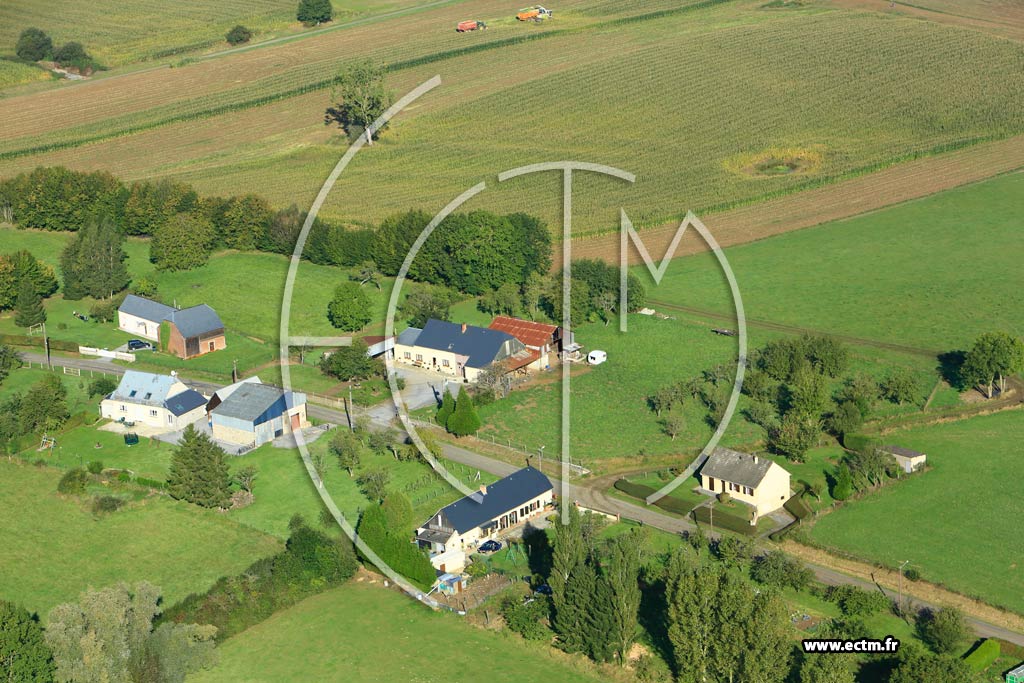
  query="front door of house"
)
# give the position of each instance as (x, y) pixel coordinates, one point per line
(711, 484)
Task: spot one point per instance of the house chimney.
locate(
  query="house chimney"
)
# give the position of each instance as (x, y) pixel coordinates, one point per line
(464, 328)
(483, 489)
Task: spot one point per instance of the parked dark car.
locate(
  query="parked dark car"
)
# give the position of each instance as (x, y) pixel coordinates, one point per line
(490, 547)
(542, 589)
(138, 345)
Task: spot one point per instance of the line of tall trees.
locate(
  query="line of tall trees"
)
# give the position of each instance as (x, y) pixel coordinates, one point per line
(473, 253)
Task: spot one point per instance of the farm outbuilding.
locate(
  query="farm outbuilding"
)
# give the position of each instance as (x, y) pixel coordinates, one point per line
(1016, 676)
(908, 460)
(253, 414)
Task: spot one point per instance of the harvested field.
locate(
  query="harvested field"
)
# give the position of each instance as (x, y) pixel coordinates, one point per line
(859, 195)
(999, 17)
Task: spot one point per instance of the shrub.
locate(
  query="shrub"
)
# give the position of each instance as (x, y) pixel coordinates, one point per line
(780, 571)
(151, 483)
(797, 507)
(33, 44)
(101, 386)
(860, 443)
(73, 482)
(94, 467)
(912, 574)
(238, 35)
(723, 520)
(106, 504)
(527, 618)
(72, 54)
(857, 602)
(124, 477)
(942, 629)
(724, 497)
(983, 656)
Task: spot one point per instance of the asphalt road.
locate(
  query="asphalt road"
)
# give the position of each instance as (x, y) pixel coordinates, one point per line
(592, 494)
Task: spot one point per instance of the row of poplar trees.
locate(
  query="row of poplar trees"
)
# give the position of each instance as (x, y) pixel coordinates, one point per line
(718, 626)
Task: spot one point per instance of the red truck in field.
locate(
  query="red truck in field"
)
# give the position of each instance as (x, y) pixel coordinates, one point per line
(464, 26)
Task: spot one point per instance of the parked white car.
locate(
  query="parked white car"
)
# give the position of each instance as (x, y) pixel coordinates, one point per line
(596, 357)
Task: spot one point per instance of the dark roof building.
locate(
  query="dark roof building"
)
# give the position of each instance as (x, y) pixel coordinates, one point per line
(146, 309)
(481, 508)
(185, 402)
(738, 468)
(480, 345)
(197, 321)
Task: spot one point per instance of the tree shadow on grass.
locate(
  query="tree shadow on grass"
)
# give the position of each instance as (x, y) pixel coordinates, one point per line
(950, 366)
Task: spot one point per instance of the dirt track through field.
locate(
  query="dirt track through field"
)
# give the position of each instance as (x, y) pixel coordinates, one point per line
(846, 198)
(796, 329)
(1006, 20)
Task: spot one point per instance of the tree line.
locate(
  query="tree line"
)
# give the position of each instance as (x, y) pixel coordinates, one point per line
(713, 612)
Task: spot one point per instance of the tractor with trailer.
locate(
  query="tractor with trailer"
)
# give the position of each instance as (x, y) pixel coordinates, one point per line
(535, 13)
(472, 25)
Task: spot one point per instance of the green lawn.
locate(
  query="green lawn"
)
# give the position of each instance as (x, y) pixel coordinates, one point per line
(149, 458)
(360, 632)
(284, 488)
(933, 273)
(52, 548)
(957, 522)
(610, 415)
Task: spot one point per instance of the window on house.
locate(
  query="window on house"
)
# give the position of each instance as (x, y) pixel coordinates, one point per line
(132, 393)
(147, 396)
(444, 362)
(408, 355)
(419, 357)
(152, 413)
(123, 408)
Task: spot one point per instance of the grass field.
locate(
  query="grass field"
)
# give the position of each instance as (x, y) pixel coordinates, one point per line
(365, 633)
(610, 415)
(284, 487)
(930, 273)
(954, 523)
(116, 34)
(877, 96)
(52, 548)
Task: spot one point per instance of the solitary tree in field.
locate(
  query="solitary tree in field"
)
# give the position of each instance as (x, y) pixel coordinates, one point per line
(199, 471)
(464, 421)
(360, 98)
(349, 310)
(238, 35)
(33, 45)
(28, 309)
(994, 356)
(673, 424)
(319, 466)
(314, 12)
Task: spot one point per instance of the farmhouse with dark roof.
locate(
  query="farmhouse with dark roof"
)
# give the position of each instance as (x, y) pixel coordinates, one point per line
(161, 402)
(467, 522)
(186, 332)
(459, 351)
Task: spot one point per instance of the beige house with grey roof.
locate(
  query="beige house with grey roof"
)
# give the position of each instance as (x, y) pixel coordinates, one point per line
(756, 481)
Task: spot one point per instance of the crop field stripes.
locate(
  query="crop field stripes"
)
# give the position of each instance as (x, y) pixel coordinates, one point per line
(859, 195)
(176, 115)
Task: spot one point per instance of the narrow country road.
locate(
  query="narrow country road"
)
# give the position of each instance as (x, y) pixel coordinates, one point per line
(592, 494)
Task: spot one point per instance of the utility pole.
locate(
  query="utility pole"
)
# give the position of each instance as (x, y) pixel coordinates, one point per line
(350, 408)
(541, 449)
(711, 515)
(46, 344)
(900, 604)
(234, 371)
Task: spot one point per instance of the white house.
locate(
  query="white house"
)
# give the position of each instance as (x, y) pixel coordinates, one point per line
(459, 351)
(158, 401)
(759, 482)
(908, 460)
(141, 316)
(459, 528)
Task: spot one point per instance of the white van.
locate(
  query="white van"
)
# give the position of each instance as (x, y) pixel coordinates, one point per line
(596, 357)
